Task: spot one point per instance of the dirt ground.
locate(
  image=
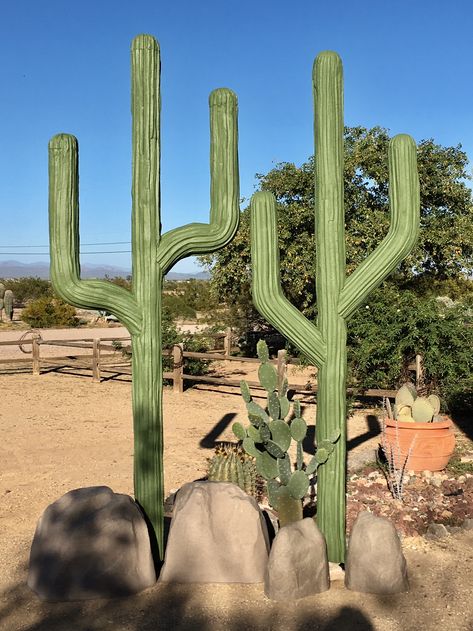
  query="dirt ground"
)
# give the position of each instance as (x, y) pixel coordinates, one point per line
(62, 431)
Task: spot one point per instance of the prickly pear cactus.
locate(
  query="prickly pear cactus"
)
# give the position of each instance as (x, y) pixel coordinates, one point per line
(435, 403)
(409, 407)
(269, 438)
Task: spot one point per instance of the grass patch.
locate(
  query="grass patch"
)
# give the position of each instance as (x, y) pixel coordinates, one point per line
(456, 467)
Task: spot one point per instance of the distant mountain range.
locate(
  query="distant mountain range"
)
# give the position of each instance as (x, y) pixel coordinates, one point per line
(15, 269)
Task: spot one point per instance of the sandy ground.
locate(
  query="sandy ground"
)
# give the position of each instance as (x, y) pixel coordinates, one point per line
(62, 431)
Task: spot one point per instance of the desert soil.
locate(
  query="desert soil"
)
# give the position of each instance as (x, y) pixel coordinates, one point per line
(62, 431)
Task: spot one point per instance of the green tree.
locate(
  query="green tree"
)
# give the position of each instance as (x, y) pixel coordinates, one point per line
(396, 325)
(444, 251)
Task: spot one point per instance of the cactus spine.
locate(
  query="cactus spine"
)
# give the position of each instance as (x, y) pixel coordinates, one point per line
(153, 254)
(338, 297)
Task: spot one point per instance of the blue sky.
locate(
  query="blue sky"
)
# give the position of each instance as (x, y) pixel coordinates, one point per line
(65, 68)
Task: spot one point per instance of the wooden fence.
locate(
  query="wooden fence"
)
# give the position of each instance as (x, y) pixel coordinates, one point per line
(106, 357)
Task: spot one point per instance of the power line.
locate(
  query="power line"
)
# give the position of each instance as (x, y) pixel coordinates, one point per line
(47, 245)
(47, 253)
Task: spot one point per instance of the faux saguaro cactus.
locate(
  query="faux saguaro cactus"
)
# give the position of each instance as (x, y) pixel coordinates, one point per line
(338, 296)
(153, 254)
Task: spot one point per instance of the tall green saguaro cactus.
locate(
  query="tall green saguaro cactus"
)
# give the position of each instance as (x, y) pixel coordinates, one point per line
(153, 254)
(338, 296)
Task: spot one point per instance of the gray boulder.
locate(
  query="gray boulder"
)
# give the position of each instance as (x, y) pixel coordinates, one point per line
(217, 535)
(374, 562)
(298, 564)
(90, 543)
(436, 531)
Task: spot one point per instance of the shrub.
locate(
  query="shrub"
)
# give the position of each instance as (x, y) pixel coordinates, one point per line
(49, 311)
(172, 336)
(177, 306)
(28, 288)
(395, 326)
(195, 345)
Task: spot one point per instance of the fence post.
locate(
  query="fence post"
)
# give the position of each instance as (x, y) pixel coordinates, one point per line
(96, 360)
(419, 371)
(35, 354)
(281, 367)
(227, 342)
(178, 368)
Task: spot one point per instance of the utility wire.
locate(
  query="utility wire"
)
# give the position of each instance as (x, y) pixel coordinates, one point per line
(47, 246)
(47, 253)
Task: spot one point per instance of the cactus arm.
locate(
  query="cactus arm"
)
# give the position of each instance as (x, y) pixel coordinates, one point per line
(403, 231)
(64, 240)
(196, 238)
(266, 287)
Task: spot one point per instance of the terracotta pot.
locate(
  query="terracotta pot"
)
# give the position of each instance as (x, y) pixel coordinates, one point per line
(432, 444)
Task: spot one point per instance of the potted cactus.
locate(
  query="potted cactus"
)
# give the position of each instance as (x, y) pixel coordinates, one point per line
(269, 438)
(415, 430)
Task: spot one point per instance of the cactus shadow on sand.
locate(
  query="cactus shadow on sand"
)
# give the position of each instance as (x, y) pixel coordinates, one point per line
(372, 431)
(169, 606)
(209, 441)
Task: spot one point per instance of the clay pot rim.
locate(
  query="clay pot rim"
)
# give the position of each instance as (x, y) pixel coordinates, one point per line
(420, 426)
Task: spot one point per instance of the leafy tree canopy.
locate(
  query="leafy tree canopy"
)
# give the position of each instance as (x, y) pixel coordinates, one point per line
(444, 250)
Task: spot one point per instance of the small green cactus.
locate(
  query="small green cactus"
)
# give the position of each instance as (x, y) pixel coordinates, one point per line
(409, 407)
(8, 304)
(406, 395)
(2, 293)
(435, 403)
(232, 464)
(269, 437)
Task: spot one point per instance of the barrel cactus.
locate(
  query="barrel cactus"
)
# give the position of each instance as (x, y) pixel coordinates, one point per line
(269, 438)
(231, 463)
(411, 408)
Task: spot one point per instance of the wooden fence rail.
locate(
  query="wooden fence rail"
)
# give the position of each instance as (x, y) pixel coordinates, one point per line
(103, 359)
